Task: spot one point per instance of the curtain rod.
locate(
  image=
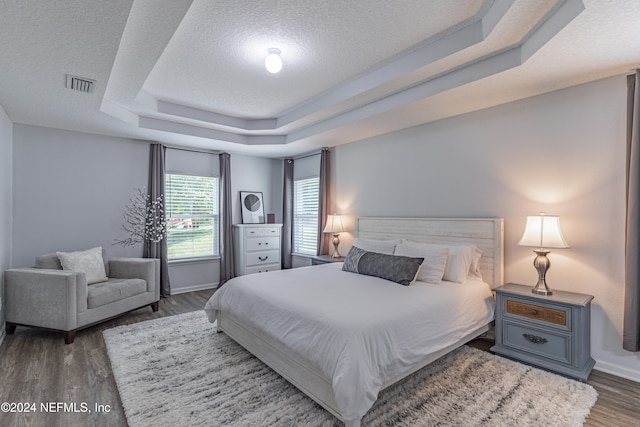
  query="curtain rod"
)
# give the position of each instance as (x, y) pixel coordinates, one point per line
(310, 155)
(193, 150)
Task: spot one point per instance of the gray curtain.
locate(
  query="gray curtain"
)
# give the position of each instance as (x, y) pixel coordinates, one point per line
(324, 239)
(631, 325)
(155, 190)
(227, 264)
(287, 213)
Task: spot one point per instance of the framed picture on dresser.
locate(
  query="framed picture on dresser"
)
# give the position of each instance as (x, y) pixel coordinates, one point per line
(252, 207)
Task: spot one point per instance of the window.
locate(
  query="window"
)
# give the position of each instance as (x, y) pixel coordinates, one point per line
(192, 216)
(305, 215)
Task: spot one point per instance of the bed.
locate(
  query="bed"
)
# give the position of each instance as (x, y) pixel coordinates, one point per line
(342, 337)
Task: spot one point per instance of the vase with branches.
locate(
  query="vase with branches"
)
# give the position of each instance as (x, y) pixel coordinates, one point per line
(144, 220)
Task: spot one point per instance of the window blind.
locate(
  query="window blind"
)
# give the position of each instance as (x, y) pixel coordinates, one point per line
(305, 215)
(192, 216)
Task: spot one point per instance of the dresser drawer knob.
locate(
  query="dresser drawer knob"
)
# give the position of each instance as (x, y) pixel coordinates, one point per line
(534, 312)
(263, 259)
(534, 338)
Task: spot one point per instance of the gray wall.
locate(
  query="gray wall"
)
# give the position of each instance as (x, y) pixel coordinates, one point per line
(6, 202)
(71, 188)
(562, 153)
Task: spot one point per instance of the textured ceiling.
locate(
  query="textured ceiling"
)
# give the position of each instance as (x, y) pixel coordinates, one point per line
(191, 73)
(323, 43)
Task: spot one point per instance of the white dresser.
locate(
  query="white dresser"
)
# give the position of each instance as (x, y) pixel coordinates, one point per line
(257, 248)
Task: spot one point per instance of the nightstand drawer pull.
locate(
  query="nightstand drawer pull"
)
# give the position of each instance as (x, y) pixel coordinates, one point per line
(534, 338)
(551, 315)
(263, 259)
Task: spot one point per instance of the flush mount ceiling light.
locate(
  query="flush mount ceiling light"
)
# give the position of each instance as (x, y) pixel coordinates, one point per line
(273, 62)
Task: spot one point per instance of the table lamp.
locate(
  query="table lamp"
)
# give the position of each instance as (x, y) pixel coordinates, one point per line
(542, 232)
(334, 226)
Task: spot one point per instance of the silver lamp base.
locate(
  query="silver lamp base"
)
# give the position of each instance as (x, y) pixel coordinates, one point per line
(336, 242)
(542, 264)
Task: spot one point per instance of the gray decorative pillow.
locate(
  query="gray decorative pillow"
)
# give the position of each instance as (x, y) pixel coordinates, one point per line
(399, 269)
(89, 262)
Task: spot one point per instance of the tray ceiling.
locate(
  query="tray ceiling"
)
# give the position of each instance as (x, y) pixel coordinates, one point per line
(191, 73)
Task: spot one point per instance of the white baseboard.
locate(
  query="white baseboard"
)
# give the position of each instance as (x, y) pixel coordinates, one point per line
(194, 288)
(618, 371)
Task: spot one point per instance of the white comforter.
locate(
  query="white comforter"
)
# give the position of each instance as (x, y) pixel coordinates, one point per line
(359, 331)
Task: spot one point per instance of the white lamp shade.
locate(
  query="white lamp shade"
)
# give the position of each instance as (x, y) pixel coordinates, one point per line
(334, 224)
(273, 62)
(543, 231)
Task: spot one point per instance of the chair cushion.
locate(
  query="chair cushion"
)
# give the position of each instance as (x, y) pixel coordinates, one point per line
(113, 290)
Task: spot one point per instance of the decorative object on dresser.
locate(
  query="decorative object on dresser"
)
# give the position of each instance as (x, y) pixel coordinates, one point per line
(257, 248)
(553, 332)
(334, 227)
(220, 383)
(325, 259)
(542, 231)
(252, 207)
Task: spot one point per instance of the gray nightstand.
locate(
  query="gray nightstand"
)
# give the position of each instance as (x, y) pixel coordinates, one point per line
(550, 331)
(325, 259)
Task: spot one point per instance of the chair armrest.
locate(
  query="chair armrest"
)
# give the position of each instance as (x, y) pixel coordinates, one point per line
(44, 298)
(137, 268)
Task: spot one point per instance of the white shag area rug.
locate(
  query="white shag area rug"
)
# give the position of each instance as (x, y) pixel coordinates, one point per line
(179, 371)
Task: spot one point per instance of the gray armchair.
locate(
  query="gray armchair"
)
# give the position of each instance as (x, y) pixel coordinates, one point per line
(49, 297)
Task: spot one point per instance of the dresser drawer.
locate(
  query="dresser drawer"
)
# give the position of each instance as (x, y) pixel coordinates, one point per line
(556, 346)
(556, 317)
(263, 231)
(262, 243)
(262, 257)
(263, 268)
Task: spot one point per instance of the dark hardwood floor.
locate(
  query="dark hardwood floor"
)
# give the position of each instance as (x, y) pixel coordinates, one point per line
(37, 367)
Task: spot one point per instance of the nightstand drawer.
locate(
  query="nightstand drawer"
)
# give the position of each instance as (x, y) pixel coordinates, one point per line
(544, 343)
(545, 314)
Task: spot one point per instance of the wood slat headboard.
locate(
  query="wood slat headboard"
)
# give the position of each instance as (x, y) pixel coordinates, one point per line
(486, 233)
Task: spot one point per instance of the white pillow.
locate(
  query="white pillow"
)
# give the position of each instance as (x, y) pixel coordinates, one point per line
(459, 260)
(474, 271)
(380, 246)
(89, 262)
(459, 263)
(435, 261)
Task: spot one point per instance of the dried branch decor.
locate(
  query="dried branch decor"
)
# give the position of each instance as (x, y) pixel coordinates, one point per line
(144, 219)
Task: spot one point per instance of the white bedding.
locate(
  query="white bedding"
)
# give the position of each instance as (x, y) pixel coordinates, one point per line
(359, 331)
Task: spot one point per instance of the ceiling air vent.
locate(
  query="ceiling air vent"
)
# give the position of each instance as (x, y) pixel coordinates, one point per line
(81, 84)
